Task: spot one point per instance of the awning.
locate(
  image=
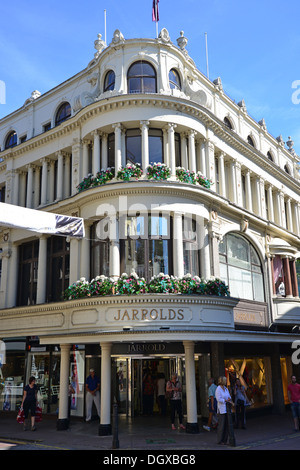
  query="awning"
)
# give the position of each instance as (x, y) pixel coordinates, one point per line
(40, 221)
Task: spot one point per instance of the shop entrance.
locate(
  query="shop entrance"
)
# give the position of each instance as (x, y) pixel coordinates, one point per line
(129, 387)
(149, 377)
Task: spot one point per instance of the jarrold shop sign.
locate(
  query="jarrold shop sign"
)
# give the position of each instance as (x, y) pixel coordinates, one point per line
(148, 315)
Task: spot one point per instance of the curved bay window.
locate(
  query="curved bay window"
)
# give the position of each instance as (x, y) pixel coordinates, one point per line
(63, 113)
(174, 80)
(58, 254)
(240, 268)
(28, 273)
(146, 245)
(11, 140)
(141, 78)
(99, 251)
(109, 81)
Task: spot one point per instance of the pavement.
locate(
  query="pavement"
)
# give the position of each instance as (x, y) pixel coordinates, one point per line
(150, 434)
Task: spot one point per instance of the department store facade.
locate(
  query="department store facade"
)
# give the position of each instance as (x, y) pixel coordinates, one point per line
(143, 102)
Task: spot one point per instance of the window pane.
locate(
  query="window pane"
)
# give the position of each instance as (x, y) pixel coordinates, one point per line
(240, 283)
(155, 146)
(238, 252)
(159, 226)
(133, 146)
(149, 85)
(190, 258)
(258, 287)
(158, 257)
(135, 257)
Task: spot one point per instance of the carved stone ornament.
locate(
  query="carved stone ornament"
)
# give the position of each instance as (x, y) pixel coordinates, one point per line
(99, 45)
(164, 36)
(118, 38)
(182, 41)
(34, 95)
(290, 145)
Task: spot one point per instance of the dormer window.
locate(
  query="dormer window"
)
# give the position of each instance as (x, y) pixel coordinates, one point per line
(109, 81)
(227, 123)
(11, 140)
(250, 141)
(63, 113)
(141, 78)
(174, 80)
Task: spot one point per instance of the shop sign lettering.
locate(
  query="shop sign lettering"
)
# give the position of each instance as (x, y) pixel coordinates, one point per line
(146, 348)
(147, 315)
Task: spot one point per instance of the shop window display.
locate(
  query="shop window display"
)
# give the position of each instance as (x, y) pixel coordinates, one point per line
(12, 379)
(252, 373)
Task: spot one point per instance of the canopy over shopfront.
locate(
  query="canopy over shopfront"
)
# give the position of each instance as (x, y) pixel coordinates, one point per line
(40, 221)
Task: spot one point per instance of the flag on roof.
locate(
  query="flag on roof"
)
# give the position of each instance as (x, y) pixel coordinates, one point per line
(155, 12)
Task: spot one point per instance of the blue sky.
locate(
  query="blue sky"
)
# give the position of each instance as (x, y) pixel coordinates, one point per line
(254, 46)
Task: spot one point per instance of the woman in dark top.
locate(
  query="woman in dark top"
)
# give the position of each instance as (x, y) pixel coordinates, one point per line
(29, 402)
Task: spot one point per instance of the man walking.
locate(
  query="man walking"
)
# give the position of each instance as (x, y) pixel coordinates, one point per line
(294, 398)
(92, 386)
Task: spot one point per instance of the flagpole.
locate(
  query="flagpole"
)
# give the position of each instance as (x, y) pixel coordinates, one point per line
(105, 26)
(156, 22)
(207, 71)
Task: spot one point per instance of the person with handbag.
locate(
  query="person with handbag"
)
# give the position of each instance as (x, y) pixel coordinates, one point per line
(29, 402)
(240, 404)
(174, 390)
(223, 398)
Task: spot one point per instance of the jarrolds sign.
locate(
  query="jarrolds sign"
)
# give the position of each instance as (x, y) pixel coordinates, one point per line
(148, 315)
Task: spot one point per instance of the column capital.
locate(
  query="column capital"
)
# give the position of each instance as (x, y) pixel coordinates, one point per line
(144, 123)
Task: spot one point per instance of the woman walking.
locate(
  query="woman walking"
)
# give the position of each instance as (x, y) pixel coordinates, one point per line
(223, 398)
(29, 402)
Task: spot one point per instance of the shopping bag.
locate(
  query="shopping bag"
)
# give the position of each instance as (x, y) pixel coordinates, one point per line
(20, 416)
(38, 414)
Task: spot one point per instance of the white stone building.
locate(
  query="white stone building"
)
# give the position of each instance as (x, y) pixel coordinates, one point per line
(143, 101)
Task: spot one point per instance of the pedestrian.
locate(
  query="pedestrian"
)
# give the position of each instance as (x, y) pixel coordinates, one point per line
(174, 391)
(161, 394)
(223, 397)
(92, 386)
(29, 402)
(212, 404)
(240, 402)
(294, 398)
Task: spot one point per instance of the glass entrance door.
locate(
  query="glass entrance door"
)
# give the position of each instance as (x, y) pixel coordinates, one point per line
(145, 377)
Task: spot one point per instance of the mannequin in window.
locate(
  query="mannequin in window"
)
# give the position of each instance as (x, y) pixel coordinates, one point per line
(281, 288)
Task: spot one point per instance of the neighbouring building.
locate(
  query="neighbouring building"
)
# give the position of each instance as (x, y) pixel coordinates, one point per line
(181, 190)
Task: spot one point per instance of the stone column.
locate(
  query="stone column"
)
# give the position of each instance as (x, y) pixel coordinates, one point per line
(105, 428)
(232, 188)
(178, 245)
(74, 260)
(191, 395)
(172, 156)
(60, 176)
(118, 146)
(63, 412)
(44, 162)
(192, 153)
(85, 159)
(210, 159)
(29, 186)
(16, 187)
(145, 145)
(104, 151)
(222, 182)
(37, 188)
(51, 182)
(296, 221)
(96, 152)
(289, 215)
(183, 151)
(67, 176)
(248, 190)
(270, 204)
(205, 254)
(85, 254)
(203, 166)
(114, 249)
(42, 271)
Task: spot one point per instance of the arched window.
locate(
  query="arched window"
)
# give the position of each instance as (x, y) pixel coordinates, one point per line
(63, 113)
(11, 140)
(174, 80)
(227, 123)
(240, 268)
(109, 81)
(250, 141)
(141, 78)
